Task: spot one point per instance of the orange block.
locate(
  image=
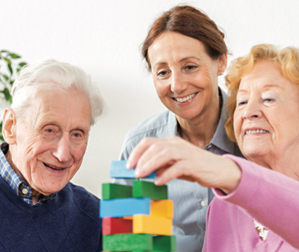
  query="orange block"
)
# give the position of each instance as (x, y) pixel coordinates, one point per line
(146, 224)
(162, 208)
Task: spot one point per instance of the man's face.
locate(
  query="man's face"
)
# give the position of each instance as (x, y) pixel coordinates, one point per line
(51, 139)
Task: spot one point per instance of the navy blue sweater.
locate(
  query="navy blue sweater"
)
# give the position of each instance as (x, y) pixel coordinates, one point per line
(68, 223)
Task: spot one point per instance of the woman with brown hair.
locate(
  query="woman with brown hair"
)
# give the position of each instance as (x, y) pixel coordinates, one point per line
(186, 53)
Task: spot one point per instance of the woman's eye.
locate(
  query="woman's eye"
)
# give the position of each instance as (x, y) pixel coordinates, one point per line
(240, 103)
(190, 67)
(269, 100)
(162, 73)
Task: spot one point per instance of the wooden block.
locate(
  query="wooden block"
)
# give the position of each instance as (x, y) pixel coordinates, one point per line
(118, 170)
(128, 242)
(151, 225)
(115, 191)
(149, 190)
(164, 243)
(162, 208)
(124, 207)
(116, 226)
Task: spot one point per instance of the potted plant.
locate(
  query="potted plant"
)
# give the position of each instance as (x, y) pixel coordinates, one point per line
(10, 65)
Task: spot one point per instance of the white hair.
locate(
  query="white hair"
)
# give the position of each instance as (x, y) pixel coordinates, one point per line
(50, 74)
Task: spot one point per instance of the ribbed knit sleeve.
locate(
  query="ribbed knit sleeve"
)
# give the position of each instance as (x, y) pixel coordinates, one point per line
(269, 197)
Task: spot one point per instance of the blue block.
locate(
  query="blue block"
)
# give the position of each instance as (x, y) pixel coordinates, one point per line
(124, 207)
(118, 170)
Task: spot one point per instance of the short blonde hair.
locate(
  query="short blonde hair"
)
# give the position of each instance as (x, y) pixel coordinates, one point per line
(287, 59)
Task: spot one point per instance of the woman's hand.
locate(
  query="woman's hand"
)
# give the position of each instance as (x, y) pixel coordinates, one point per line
(176, 158)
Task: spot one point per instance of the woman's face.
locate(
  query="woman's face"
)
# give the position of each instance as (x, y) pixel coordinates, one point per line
(185, 77)
(266, 118)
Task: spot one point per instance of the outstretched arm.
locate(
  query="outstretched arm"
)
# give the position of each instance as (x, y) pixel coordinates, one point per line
(176, 158)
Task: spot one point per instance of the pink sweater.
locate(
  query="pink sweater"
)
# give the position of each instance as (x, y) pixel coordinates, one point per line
(270, 198)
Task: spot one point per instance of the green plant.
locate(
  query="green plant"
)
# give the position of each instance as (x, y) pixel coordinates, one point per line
(10, 65)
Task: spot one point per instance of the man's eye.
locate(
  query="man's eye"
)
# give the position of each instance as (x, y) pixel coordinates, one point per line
(77, 135)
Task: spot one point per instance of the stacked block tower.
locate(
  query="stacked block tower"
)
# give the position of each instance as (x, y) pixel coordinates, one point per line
(135, 218)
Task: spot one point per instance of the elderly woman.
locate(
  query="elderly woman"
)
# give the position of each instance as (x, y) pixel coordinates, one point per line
(256, 204)
(186, 53)
(46, 134)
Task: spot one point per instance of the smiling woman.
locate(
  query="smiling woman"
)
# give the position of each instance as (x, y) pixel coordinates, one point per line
(186, 53)
(267, 95)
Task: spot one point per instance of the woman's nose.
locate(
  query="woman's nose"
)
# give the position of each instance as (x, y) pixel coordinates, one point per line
(252, 110)
(178, 83)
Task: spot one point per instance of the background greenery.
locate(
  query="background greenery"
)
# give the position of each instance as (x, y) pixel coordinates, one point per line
(10, 65)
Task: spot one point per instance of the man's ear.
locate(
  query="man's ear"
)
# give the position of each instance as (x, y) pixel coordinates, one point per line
(9, 126)
(222, 64)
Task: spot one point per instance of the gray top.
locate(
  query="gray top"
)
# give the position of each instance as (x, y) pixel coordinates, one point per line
(190, 199)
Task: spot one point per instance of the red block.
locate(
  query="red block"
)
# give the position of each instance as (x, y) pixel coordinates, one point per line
(116, 226)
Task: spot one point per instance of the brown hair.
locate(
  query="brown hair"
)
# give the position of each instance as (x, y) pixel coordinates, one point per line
(287, 59)
(190, 22)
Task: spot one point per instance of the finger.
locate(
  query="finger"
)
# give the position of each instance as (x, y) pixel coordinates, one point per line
(177, 169)
(137, 152)
(157, 156)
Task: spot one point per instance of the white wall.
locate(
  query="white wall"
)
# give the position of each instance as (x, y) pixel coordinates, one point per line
(104, 37)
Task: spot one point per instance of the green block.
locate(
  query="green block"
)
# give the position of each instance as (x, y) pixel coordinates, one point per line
(127, 242)
(115, 191)
(149, 190)
(164, 243)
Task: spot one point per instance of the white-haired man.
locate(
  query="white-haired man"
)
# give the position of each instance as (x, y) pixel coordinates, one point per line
(46, 133)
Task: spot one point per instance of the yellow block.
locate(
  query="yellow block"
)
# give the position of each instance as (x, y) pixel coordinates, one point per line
(162, 208)
(151, 225)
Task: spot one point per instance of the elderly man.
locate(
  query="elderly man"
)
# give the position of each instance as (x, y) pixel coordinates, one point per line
(46, 134)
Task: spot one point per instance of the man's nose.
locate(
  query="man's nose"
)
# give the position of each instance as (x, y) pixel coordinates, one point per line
(63, 149)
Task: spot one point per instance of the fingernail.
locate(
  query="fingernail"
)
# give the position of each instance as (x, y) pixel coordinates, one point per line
(158, 181)
(137, 173)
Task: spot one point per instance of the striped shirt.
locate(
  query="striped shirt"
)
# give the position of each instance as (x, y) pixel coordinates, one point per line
(16, 182)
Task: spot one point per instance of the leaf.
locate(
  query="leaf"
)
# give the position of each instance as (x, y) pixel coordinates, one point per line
(21, 64)
(11, 82)
(5, 77)
(7, 95)
(8, 61)
(10, 69)
(14, 56)
(3, 51)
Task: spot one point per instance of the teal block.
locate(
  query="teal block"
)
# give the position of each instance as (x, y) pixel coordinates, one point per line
(124, 207)
(118, 170)
(127, 242)
(115, 191)
(149, 190)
